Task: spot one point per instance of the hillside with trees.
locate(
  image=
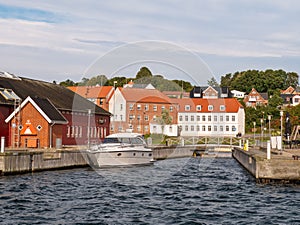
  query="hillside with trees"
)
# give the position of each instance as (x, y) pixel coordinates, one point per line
(262, 81)
(143, 76)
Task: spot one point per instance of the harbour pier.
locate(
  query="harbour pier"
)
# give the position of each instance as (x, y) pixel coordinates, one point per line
(282, 167)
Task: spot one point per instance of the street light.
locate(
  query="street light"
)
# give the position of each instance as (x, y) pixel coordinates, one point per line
(281, 116)
(261, 131)
(115, 82)
(254, 124)
(269, 118)
(89, 125)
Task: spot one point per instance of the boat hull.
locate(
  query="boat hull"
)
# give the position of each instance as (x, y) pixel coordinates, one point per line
(102, 159)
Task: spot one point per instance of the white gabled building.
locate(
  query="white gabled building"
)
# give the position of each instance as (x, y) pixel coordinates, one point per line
(210, 117)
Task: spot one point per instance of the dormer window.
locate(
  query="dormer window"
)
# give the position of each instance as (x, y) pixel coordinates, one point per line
(222, 107)
(187, 107)
(198, 107)
(210, 108)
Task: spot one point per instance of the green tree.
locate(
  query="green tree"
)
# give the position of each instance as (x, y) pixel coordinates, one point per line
(164, 119)
(213, 82)
(67, 83)
(143, 72)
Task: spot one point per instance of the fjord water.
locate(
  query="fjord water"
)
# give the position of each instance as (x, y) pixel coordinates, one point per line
(175, 191)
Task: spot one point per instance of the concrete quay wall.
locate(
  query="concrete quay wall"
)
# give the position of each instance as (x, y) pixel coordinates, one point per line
(170, 152)
(279, 169)
(24, 162)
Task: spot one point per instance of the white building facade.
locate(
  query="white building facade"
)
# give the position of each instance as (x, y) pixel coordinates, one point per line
(211, 117)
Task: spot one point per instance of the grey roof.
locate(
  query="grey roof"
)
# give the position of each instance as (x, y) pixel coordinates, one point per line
(220, 90)
(61, 97)
(50, 110)
(264, 95)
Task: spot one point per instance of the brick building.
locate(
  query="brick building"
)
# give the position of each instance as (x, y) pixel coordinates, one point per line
(52, 114)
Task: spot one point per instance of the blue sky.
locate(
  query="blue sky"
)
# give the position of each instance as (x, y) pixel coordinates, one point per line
(192, 40)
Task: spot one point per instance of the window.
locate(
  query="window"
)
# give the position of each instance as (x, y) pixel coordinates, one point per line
(215, 128)
(187, 108)
(68, 131)
(203, 118)
(192, 118)
(101, 101)
(163, 107)
(227, 128)
(146, 118)
(198, 107)
(146, 128)
(139, 107)
(186, 128)
(198, 128)
(210, 108)
(227, 118)
(180, 118)
(139, 127)
(186, 118)
(131, 117)
(215, 118)
(171, 108)
(131, 107)
(138, 117)
(121, 107)
(221, 128)
(203, 128)
(155, 108)
(209, 118)
(192, 128)
(233, 128)
(209, 128)
(198, 118)
(170, 129)
(154, 118)
(233, 118)
(222, 107)
(121, 117)
(146, 107)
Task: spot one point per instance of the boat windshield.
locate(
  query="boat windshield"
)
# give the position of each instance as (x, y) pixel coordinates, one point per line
(115, 140)
(111, 140)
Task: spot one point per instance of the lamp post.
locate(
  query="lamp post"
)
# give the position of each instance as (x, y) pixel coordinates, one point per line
(254, 124)
(89, 129)
(115, 82)
(269, 118)
(281, 116)
(261, 131)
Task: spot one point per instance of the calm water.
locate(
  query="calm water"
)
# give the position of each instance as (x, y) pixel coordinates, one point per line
(177, 191)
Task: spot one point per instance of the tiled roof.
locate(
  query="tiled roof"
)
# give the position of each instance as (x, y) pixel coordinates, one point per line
(92, 91)
(232, 105)
(61, 97)
(45, 108)
(142, 95)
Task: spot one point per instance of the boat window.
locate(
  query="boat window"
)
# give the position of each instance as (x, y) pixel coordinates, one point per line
(133, 154)
(150, 154)
(137, 141)
(125, 140)
(142, 154)
(119, 154)
(111, 140)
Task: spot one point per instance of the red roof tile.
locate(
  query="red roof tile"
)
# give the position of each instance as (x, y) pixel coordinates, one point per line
(92, 91)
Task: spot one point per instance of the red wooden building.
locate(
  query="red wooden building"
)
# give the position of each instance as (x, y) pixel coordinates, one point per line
(40, 114)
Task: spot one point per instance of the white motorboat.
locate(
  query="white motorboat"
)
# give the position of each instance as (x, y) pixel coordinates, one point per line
(120, 149)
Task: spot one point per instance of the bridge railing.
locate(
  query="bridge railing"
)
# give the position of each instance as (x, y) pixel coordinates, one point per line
(211, 140)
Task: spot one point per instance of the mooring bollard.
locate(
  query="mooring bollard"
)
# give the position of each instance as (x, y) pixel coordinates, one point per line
(268, 150)
(2, 144)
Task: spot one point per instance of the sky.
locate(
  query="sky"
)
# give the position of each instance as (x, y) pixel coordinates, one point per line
(192, 40)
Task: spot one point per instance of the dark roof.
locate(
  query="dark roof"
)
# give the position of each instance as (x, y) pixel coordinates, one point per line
(49, 109)
(220, 90)
(61, 97)
(264, 95)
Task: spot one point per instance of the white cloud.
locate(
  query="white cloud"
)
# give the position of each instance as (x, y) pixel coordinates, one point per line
(89, 29)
